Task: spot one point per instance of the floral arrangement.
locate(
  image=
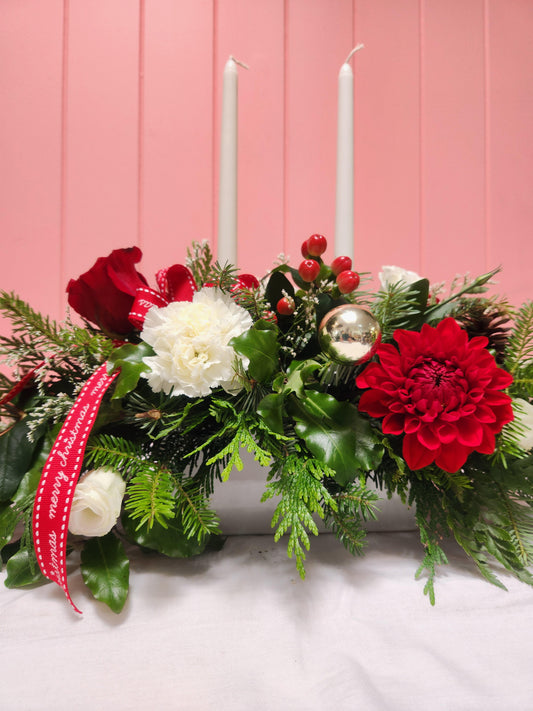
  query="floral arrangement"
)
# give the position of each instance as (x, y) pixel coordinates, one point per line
(424, 392)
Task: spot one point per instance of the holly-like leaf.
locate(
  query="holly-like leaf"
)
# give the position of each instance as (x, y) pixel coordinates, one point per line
(170, 541)
(262, 348)
(23, 570)
(106, 570)
(16, 457)
(130, 359)
(271, 410)
(336, 434)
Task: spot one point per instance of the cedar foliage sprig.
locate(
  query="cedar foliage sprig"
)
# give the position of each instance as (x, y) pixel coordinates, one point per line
(299, 483)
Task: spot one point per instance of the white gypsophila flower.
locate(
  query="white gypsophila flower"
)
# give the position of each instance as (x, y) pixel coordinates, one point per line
(390, 275)
(524, 416)
(191, 344)
(96, 503)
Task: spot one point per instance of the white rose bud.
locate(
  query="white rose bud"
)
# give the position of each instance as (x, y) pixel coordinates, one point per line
(392, 275)
(96, 503)
(524, 416)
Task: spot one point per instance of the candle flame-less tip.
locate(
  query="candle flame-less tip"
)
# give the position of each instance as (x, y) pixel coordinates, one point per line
(238, 61)
(354, 50)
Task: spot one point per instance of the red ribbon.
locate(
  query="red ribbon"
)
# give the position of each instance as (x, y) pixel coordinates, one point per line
(175, 284)
(54, 496)
(20, 385)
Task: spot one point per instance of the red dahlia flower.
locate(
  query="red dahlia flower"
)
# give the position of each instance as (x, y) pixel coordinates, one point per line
(441, 391)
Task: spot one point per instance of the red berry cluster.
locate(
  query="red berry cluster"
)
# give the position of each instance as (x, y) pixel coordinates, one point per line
(341, 267)
(311, 267)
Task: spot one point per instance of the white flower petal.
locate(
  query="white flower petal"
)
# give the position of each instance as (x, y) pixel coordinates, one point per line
(96, 503)
(392, 275)
(190, 340)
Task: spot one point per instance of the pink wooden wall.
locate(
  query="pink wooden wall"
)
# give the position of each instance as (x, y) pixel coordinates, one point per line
(109, 124)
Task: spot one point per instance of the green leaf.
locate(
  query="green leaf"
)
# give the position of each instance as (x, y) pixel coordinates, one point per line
(8, 522)
(22, 570)
(336, 434)
(16, 456)
(271, 409)
(262, 348)
(106, 570)
(170, 541)
(277, 284)
(30, 480)
(130, 359)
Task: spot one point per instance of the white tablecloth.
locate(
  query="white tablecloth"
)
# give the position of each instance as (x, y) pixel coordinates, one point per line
(238, 630)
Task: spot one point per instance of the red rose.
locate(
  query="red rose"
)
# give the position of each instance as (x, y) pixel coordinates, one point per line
(104, 295)
(441, 391)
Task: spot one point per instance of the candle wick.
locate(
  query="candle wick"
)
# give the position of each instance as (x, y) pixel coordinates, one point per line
(237, 61)
(354, 50)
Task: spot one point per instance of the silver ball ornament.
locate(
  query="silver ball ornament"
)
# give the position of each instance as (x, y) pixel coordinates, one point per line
(349, 334)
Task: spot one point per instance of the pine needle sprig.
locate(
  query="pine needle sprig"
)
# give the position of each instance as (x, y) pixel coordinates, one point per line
(519, 351)
(354, 505)
(395, 307)
(150, 495)
(192, 505)
(199, 260)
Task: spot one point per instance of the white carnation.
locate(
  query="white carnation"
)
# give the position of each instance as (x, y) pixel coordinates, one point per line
(96, 503)
(191, 344)
(524, 416)
(392, 275)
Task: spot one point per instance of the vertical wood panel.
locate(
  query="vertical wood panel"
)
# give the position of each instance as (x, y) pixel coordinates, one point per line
(387, 135)
(453, 115)
(320, 36)
(253, 33)
(30, 146)
(102, 130)
(177, 130)
(510, 145)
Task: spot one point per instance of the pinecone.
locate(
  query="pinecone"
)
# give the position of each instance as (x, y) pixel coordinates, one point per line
(480, 317)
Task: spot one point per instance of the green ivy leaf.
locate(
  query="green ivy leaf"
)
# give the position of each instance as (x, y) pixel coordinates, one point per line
(262, 348)
(23, 570)
(106, 570)
(130, 359)
(16, 456)
(336, 434)
(170, 541)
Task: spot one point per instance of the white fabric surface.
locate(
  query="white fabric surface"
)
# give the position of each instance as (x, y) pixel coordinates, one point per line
(238, 630)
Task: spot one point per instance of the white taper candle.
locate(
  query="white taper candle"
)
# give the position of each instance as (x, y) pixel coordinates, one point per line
(344, 215)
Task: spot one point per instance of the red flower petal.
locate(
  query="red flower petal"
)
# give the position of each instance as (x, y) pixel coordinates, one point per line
(393, 424)
(452, 458)
(469, 432)
(372, 402)
(428, 437)
(415, 454)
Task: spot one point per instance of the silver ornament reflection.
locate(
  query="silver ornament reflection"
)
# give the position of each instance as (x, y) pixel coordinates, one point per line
(349, 334)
